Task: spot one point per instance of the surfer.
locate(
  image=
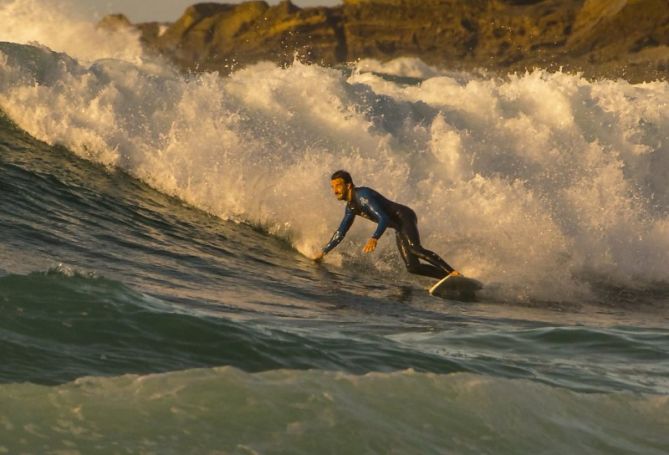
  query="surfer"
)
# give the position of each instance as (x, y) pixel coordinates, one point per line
(369, 204)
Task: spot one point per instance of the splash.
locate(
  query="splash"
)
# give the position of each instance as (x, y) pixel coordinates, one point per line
(400, 67)
(536, 184)
(58, 26)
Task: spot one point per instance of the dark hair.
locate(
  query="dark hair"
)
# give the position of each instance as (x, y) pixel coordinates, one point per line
(345, 176)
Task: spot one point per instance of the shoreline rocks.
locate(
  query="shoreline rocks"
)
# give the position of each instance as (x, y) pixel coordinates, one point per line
(601, 38)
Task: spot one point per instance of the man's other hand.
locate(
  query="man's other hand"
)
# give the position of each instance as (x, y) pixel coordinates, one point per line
(370, 245)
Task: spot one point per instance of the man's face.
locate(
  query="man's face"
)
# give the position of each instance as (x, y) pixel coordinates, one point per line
(340, 189)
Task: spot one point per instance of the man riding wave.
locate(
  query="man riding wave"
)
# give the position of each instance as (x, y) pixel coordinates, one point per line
(365, 202)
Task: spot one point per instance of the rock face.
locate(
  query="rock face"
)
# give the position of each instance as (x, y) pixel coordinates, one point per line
(612, 38)
(212, 36)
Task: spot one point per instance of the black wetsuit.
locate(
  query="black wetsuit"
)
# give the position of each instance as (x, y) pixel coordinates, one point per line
(371, 205)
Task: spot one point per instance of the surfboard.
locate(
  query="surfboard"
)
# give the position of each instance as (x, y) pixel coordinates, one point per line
(456, 287)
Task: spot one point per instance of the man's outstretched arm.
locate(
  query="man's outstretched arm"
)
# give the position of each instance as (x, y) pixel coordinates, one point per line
(339, 234)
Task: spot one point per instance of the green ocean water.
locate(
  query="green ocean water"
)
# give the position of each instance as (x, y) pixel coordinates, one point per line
(224, 410)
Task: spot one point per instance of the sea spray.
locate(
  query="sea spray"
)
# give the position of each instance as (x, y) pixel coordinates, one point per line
(59, 26)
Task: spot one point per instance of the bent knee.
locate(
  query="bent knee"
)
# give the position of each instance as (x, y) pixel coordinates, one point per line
(418, 251)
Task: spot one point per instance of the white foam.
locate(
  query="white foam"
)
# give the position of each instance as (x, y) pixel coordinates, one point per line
(529, 182)
(401, 67)
(58, 25)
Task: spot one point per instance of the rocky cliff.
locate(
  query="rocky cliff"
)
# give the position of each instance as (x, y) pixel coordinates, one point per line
(612, 38)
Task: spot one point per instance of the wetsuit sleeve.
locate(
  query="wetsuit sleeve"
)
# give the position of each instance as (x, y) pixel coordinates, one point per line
(374, 206)
(341, 231)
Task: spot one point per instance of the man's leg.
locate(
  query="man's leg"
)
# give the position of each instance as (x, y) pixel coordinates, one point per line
(411, 261)
(408, 231)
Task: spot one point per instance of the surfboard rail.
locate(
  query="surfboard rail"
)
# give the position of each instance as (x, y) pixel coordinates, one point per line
(456, 286)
